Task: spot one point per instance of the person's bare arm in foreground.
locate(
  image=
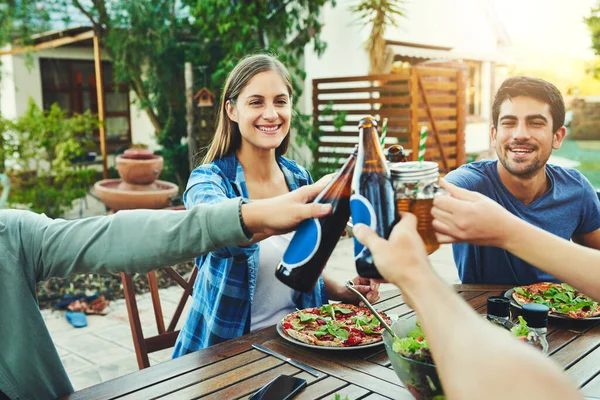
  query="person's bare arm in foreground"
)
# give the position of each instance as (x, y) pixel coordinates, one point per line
(467, 216)
(475, 359)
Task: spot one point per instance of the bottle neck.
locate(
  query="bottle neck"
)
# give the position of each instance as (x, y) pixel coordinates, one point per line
(370, 154)
(341, 184)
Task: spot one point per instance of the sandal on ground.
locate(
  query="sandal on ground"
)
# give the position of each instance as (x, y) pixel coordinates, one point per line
(76, 318)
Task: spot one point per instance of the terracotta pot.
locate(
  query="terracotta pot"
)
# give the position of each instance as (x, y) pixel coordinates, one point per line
(139, 172)
(155, 196)
(138, 154)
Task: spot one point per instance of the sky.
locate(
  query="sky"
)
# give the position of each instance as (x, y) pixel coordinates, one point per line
(549, 26)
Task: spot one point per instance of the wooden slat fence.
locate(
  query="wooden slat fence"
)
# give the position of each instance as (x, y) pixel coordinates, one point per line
(434, 97)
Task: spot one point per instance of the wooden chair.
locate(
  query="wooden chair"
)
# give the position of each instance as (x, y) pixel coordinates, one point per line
(166, 337)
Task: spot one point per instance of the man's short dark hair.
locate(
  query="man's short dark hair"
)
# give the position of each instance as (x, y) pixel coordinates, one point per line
(535, 88)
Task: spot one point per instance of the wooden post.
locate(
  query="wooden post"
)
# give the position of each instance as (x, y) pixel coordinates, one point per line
(461, 156)
(436, 132)
(415, 100)
(100, 98)
(190, 109)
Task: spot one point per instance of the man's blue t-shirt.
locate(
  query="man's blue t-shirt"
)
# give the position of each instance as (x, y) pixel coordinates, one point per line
(569, 208)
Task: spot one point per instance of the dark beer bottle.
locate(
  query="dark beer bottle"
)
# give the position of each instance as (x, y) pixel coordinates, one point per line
(395, 154)
(315, 239)
(372, 201)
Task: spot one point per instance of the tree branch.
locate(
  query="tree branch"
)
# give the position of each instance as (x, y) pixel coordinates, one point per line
(78, 5)
(102, 14)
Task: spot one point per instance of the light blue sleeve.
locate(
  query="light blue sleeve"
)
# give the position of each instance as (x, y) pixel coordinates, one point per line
(463, 177)
(208, 186)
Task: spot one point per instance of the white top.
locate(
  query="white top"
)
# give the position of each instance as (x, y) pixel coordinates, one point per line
(273, 300)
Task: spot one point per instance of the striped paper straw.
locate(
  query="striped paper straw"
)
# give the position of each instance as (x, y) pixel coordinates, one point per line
(422, 143)
(383, 132)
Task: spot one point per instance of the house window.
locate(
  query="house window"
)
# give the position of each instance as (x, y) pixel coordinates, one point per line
(72, 85)
(474, 88)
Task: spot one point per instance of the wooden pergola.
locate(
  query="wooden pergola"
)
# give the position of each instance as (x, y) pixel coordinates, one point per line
(64, 38)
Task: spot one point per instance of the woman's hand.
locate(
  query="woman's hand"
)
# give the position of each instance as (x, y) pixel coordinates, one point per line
(337, 291)
(284, 213)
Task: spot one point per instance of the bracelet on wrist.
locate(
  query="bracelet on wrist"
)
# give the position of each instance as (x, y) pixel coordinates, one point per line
(244, 227)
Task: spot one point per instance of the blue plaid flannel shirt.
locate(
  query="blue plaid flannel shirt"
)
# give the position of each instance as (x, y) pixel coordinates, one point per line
(226, 280)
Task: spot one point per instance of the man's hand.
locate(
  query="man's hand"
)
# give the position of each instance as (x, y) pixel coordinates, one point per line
(466, 216)
(284, 213)
(402, 258)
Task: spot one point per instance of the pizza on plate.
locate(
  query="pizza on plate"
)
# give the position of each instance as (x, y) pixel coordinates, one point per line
(334, 325)
(561, 298)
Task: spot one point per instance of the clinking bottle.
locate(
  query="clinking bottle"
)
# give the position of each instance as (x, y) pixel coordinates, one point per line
(372, 201)
(315, 239)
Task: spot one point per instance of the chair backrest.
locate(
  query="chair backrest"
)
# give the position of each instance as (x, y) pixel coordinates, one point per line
(5, 185)
(166, 337)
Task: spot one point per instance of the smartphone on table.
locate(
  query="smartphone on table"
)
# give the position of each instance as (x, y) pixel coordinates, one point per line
(283, 387)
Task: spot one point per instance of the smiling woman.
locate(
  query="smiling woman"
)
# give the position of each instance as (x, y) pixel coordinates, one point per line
(236, 290)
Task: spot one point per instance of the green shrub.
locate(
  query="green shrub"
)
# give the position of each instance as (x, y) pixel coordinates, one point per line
(42, 149)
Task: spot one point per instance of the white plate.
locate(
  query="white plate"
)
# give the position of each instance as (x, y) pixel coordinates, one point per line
(312, 346)
(513, 302)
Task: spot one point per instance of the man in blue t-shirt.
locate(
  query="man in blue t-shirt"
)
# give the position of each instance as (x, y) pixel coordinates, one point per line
(528, 116)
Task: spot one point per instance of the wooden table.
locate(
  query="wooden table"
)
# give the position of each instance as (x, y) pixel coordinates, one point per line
(235, 370)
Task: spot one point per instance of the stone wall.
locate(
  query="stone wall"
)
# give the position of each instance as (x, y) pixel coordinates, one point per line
(585, 123)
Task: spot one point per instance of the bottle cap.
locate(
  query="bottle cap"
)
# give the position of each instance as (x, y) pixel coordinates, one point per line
(367, 122)
(395, 153)
(536, 315)
(498, 306)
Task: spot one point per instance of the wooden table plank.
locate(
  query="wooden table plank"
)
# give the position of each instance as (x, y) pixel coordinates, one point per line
(302, 375)
(327, 362)
(197, 376)
(375, 396)
(321, 388)
(575, 350)
(496, 289)
(586, 369)
(389, 303)
(351, 392)
(241, 381)
(380, 358)
(165, 371)
(592, 388)
(388, 294)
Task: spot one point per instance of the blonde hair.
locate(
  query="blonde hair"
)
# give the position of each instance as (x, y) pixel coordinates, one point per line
(227, 135)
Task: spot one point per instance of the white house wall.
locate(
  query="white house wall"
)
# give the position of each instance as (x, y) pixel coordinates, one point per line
(8, 107)
(462, 25)
(20, 82)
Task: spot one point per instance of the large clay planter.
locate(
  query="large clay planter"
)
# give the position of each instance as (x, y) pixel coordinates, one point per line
(155, 196)
(139, 171)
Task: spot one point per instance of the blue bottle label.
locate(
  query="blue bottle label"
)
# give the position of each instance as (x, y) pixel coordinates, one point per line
(362, 212)
(304, 244)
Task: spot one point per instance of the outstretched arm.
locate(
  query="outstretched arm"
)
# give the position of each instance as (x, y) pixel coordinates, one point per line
(467, 216)
(142, 240)
(470, 353)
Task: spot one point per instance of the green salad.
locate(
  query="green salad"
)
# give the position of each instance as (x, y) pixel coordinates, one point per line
(414, 346)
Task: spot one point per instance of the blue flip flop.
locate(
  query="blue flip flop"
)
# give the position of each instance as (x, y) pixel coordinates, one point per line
(76, 318)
